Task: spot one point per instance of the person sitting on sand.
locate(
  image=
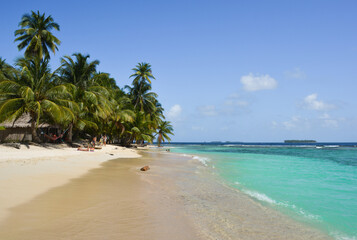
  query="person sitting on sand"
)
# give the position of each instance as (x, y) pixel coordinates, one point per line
(87, 149)
(94, 141)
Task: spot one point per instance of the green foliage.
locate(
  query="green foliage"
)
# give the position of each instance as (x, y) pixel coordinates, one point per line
(76, 96)
(35, 34)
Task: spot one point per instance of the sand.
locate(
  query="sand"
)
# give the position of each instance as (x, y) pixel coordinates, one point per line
(32, 170)
(99, 197)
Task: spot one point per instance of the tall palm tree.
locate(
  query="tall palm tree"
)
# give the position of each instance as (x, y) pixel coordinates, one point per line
(33, 92)
(122, 111)
(78, 71)
(143, 99)
(163, 130)
(80, 76)
(35, 34)
(142, 73)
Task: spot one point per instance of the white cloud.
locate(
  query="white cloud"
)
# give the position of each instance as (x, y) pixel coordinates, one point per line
(311, 102)
(292, 123)
(258, 82)
(208, 110)
(274, 124)
(301, 123)
(235, 100)
(327, 121)
(296, 73)
(174, 112)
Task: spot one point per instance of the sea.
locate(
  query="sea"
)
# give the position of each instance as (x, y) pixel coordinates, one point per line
(313, 183)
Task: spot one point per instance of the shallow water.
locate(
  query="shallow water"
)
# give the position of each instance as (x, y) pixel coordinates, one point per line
(317, 186)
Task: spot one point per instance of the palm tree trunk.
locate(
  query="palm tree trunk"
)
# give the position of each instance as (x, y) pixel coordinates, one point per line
(35, 138)
(70, 133)
(159, 140)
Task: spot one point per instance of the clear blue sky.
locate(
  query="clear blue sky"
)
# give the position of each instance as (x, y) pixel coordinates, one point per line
(225, 70)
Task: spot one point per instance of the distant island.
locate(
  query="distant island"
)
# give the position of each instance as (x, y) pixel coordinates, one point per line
(299, 141)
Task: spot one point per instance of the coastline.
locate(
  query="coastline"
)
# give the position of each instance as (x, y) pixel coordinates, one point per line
(178, 198)
(220, 211)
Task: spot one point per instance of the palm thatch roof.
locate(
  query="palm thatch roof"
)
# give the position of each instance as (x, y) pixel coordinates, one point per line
(22, 122)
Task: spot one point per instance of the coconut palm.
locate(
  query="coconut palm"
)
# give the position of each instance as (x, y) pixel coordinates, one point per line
(143, 99)
(80, 75)
(35, 35)
(142, 73)
(122, 111)
(163, 130)
(33, 92)
(6, 70)
(139, 130)
(78, 71)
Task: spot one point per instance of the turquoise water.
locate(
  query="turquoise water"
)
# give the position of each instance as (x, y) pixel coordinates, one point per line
(317, 186)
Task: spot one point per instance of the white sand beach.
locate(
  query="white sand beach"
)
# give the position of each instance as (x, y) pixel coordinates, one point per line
(32, 170)
(61, 193)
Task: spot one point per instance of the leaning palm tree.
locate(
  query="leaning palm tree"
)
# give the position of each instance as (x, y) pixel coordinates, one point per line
(35, 35)
(33, 92)
(163, 130)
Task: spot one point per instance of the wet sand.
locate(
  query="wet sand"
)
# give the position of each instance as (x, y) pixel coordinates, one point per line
(111, 202)
(176, 199)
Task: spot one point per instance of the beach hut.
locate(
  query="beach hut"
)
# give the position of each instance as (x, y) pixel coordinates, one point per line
(20, 130)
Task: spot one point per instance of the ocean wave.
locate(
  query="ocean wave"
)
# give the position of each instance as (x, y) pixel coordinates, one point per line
(186, 155)
(340, 236)
(260, 196)
(202, 160)
(264, 198)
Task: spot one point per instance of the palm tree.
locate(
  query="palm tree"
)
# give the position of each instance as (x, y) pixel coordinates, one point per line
(79, 71)
(35, 34)
(143, 99)
(122, 111)
(139, 129)
(142, 73)
(33, 92)
(80, 76)
(163, 130)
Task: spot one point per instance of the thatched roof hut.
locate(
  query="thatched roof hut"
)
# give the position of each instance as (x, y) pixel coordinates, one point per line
(22, 122)
(18, 130)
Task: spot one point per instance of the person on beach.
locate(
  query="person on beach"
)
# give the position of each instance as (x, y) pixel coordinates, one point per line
(105, 140)
(85, 149)
(94, 141)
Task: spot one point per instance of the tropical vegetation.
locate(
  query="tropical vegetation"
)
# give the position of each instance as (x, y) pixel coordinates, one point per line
(76, 96)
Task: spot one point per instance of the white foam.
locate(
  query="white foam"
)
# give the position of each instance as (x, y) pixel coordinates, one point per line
(202, 160)
(260, 196)
(264, 198)
(340, 236)
(309, 215)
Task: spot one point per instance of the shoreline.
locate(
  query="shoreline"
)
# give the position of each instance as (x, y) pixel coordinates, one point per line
(178, 198)
(233, 212)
